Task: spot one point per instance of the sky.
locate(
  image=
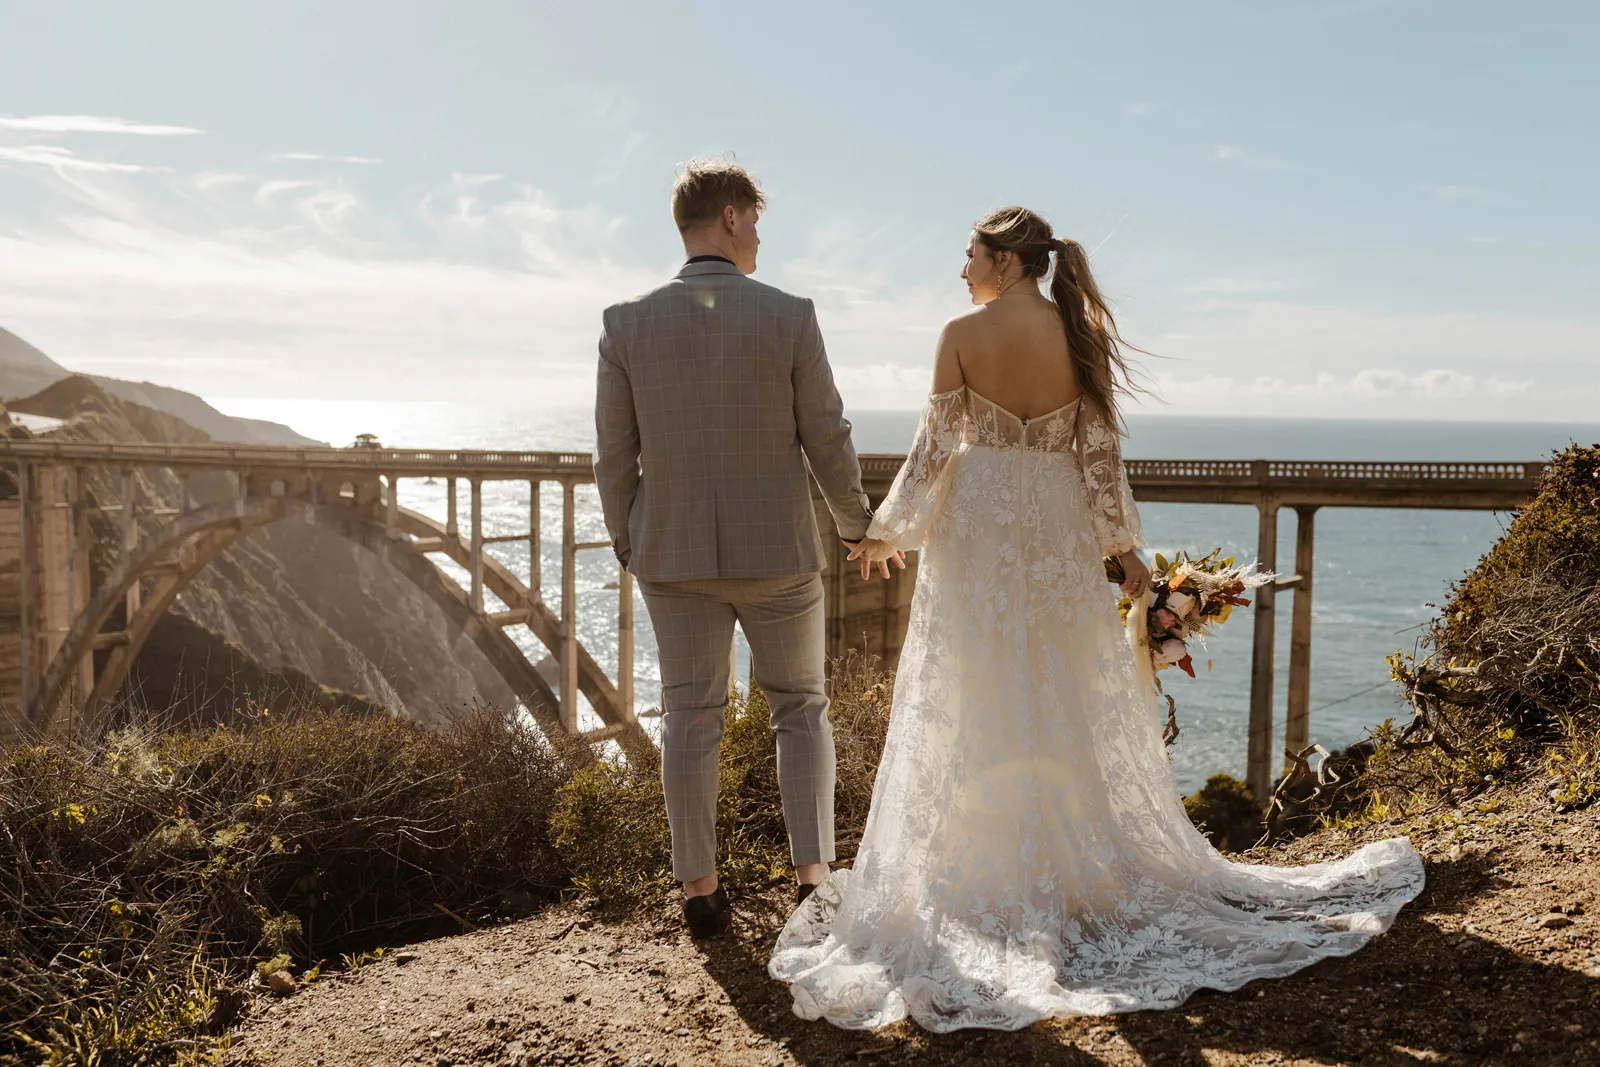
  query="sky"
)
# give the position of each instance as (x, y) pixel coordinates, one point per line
(1353, 208)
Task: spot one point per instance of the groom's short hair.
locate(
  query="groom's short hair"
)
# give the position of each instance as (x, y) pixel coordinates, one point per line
(706, 186)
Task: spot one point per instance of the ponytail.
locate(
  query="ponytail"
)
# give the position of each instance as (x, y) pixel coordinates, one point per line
(1093, 343)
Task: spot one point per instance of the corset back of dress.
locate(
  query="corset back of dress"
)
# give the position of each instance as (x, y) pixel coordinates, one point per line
(988, 423)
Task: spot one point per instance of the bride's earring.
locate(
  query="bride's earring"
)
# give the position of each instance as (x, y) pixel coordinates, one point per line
(1002, 283)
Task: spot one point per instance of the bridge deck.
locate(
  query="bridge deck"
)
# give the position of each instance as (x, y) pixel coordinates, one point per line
(859, 616)
(1489, 485)
(1471, 485)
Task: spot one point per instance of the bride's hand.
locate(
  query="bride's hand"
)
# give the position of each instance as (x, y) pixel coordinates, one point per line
(1136, 576)
(872, 552)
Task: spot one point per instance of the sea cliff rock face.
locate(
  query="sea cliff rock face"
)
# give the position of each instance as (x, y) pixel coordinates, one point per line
(301, 602)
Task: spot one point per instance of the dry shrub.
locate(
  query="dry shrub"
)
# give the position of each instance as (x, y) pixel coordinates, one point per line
(611, 824)
(151, 874)
(146, 874)
(1508, 680)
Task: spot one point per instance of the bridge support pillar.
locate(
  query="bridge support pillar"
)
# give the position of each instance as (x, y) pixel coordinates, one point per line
(79, 578)
(27, 585)
(476, 566)
(1258, 756)
(535, 539)
(1297, 731)
(130, 539)
(569, 610)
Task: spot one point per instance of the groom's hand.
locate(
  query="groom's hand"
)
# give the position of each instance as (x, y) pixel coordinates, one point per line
(874, 553)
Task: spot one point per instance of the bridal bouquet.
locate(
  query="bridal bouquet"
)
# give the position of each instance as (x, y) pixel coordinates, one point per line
(1186, 598)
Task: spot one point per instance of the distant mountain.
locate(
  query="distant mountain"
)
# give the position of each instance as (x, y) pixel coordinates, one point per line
(14, 350)
(25, 371)
(198, 413)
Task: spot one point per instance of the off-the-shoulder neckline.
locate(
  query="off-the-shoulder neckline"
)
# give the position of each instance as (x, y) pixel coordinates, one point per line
(967, 389)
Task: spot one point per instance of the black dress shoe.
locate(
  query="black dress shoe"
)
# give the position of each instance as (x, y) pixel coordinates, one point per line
(707, 915)
(803, 891)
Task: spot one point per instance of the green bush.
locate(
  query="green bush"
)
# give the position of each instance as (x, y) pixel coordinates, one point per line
(1560, 528)
(147, 874)
(1225, 810)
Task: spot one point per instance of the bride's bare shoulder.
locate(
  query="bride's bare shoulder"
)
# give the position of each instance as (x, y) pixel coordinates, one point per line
(965, 326)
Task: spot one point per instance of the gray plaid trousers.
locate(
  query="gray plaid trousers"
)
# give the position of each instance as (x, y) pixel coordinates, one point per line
(782, 618)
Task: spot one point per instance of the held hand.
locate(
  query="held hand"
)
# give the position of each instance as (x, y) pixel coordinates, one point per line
(872, 552)
(1136, 575)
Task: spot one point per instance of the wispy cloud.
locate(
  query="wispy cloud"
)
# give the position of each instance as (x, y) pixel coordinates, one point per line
(1271, 356)
(270, 284)
(211, 179)
(1138, 109)
(288, 287)
(1467, 194)
(1255, 160)
(1241, 285)
(92, 124)
(1013, 72)
(268, 190)
(60, 159)
(314, 157)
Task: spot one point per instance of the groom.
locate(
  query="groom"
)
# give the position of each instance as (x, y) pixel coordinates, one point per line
(714, 397)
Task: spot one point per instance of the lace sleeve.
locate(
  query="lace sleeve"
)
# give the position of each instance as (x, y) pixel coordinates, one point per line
(902, 519)
(1116, 520)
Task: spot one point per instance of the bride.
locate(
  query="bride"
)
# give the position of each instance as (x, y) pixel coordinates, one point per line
(1027, 854)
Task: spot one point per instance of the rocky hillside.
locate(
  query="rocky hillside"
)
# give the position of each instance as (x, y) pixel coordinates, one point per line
(24, 370)
(301, 603)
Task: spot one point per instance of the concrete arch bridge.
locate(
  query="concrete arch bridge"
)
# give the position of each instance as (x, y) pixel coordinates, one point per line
(67, 612)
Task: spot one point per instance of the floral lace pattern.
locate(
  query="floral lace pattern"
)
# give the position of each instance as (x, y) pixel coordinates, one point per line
(1027, 854)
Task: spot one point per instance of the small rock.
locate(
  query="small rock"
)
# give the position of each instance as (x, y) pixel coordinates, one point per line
(472, 1005)
(1455, 852)
(683, 1033)
(281, 983)
(434, 1035)
(1554, 921)
(405, 956)
(1574, 1028)
(569, 997)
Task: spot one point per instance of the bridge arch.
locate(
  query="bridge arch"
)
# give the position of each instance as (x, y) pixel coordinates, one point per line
(175, 552)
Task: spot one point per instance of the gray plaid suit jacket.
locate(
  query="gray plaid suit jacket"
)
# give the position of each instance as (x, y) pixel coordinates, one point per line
(714, 393)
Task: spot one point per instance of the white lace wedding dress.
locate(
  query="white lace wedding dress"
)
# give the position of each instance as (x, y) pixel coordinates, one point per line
(1027, 854)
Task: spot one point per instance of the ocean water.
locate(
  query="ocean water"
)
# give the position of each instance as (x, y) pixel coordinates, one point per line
(1378, 570)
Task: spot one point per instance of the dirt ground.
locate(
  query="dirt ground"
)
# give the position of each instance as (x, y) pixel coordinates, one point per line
(1498, 962)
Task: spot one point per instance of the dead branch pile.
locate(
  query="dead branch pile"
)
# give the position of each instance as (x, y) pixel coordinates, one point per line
(1508, 681)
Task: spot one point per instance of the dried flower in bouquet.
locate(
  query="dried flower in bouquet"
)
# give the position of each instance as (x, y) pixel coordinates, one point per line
(1186, 598)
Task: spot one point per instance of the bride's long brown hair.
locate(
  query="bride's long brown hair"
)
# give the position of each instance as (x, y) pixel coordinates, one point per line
(1093, 342)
